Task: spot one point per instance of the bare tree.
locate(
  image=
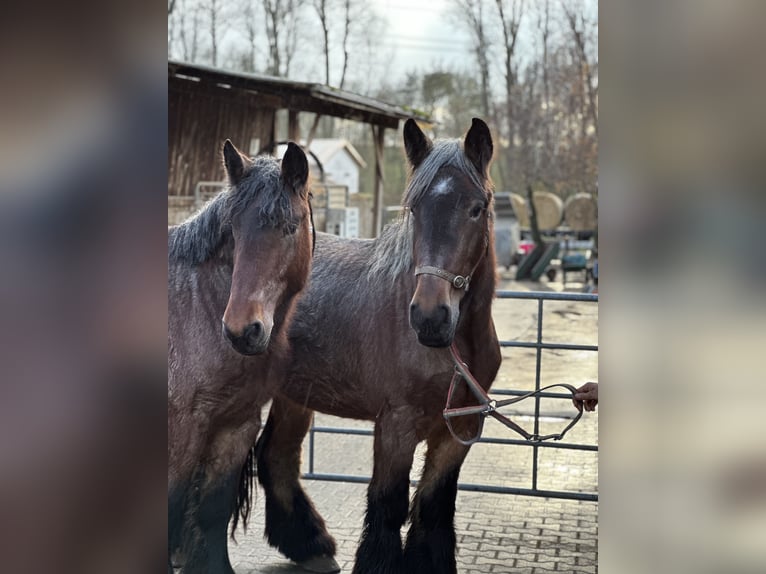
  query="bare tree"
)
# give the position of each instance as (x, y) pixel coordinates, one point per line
(346, 35)
(251, 23)
(473, 13)
(324, 10)
(188, 22)
(528, 121)
(578, 28)
(321, 9)
(543, 25)
(282, 31)
(510, 16)
(347, 12)
(273, 31)
(372, 63)
(213, 9)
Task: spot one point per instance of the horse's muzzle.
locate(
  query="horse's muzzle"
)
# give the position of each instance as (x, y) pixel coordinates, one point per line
(434, 329)
(254, 339)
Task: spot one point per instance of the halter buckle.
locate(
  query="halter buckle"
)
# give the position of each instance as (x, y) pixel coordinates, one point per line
(460, 282)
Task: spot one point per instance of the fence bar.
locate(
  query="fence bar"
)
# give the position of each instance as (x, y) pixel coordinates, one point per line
(547, 296)
(348, 431)
(558, 346)
(535, 449)
(468, 487)
(312, 432)
(482, 440)
(528, 492)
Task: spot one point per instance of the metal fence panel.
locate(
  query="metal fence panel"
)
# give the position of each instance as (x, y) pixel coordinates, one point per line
(539, 345)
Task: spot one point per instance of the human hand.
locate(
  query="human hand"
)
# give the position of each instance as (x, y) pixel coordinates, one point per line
(587, 396)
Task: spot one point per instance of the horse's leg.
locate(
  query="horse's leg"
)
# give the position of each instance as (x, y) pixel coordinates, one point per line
(430, 546)
(293, 525)
(217, 499)
(212, 555)
(380, 550)
(176, 510)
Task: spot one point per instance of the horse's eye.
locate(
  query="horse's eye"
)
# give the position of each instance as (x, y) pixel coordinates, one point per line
(476, 211)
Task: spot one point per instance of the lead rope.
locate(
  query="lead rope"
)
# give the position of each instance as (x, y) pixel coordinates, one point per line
(488, 406)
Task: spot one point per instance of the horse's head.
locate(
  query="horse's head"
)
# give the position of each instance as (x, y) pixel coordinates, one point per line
(269, 214)
(449, 197)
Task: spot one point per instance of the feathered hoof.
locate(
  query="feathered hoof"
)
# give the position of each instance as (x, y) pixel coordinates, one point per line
(323, 564)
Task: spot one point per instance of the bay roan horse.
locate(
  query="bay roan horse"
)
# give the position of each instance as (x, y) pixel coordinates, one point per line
(234, 273)
(370, 341)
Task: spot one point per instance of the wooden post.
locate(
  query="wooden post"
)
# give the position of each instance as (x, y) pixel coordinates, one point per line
(377, 209)
(293, 127)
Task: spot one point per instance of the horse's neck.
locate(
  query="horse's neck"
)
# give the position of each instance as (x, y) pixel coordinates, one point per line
(206, 283)
(477, 309)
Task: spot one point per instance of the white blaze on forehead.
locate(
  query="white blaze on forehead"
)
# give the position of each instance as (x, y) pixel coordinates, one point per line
(443, 187)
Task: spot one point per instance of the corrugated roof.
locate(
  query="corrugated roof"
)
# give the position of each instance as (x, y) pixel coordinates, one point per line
(305, 96)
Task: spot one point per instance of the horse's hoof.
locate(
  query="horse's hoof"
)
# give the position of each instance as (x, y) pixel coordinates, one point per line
(323, 564)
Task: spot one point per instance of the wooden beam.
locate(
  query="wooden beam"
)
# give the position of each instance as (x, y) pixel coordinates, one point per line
(377, 209)
(293, 127)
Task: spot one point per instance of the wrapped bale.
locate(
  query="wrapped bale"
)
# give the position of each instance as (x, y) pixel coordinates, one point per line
(520, 209)
(550, 209)
(581, 212)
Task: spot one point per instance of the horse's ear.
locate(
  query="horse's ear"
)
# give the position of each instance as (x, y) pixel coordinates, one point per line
(416, 143)
(478, 146)
(234, 162)
(295, 167)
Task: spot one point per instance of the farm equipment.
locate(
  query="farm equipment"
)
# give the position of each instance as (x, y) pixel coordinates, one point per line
(536, 262)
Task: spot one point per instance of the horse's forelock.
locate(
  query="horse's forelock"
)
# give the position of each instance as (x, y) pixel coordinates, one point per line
(262, 186)
(444, 153)
(393, 249)
(203, 235)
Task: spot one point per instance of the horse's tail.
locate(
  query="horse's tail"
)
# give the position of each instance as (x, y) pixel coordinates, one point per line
(244, 501)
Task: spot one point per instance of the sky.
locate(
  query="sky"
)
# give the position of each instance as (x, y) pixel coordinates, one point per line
(421, 32)
(419, 35)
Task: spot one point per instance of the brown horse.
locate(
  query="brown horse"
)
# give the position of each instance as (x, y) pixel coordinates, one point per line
(235, 271)
(370, 340)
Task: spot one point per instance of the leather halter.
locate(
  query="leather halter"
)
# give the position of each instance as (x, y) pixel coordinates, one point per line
(457, 281)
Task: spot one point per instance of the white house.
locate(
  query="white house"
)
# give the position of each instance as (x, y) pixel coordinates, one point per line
(340, 160)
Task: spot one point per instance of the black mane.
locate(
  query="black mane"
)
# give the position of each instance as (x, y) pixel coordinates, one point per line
(204, 235)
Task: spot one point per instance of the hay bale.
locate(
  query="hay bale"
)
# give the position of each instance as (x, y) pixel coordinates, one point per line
(550, 209)
(581, 212)
(519, 205)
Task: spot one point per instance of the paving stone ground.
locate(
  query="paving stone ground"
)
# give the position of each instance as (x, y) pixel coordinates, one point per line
(496, 532)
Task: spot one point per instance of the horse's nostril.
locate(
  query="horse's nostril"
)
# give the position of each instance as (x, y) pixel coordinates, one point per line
(253, 331)
(444, 312)
(227, 332)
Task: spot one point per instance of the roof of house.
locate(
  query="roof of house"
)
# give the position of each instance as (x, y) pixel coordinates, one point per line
(302, 96)
(323, 149)
(326, 148)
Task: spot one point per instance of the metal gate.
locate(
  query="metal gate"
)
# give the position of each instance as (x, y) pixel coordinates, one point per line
(539, 344)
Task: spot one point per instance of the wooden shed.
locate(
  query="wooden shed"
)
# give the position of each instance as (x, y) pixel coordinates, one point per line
(206, 105)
